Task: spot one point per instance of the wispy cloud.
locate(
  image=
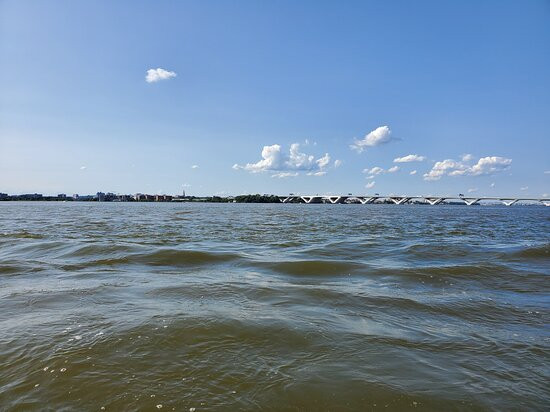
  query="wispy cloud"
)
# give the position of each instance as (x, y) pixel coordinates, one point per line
(377, 137)
(409, 158)
(155, 75)
(413, 172)
(370, 185)
(285, 174)
(195, 167)
(83, 168)
(376, 170)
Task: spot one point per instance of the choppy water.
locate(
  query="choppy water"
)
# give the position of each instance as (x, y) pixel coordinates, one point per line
(274, 307)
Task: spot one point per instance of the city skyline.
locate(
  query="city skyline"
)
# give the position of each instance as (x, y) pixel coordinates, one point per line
(228, 99)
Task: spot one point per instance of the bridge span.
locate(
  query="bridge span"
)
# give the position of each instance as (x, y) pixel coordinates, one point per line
(400, 200)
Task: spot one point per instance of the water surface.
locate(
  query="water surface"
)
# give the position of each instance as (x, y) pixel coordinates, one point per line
(277, 307)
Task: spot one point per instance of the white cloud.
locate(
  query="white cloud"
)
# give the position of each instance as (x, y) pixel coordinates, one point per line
(393, 169)
(323, 161)
(524, 188)
(472, 190)
(370, 185)
(337, 163)
(195, 167)
(274, 160)
(467, 157)
(155, 75)
(484, 166)
(547, 172)
(493, 184)
(489, 165)
(409, 158)
(374, 171)
(378, 136)
(82, 167)
(412, 172)
(285, 174)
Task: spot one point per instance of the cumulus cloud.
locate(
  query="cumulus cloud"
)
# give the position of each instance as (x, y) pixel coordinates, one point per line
(323, 161)
(467, 157)
(409, 158)
(337, 163)
(286, 165)
(413, 172)
(393, 169)
(155, 75)
(484, 166)
(370, 185)
(378, 136)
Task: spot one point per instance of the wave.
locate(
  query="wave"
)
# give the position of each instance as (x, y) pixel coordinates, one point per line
(313, 267)
(22, 235)
(532, 252)
(164, 257)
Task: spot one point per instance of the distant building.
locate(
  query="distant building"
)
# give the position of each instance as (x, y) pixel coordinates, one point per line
(30, 196)
(100, 196)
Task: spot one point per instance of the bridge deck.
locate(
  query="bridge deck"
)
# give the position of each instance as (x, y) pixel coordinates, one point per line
(402, 199)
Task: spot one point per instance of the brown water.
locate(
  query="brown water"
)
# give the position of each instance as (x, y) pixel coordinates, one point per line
(273, 307)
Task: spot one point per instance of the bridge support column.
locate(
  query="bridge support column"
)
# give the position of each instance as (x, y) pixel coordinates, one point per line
(337, 199)
(311, 199)
(509, 202)
(400, 200)
(434, 200)
(470, 202)
(367, 200)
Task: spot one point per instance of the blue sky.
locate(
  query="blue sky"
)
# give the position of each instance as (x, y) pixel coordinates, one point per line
(331, 93)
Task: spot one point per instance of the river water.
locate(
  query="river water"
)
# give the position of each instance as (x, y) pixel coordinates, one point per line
(286, 307)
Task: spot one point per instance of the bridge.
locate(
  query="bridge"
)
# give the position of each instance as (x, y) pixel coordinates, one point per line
(400, 200)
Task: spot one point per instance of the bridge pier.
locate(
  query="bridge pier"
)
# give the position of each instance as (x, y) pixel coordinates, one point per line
(434, 200)
(400, 200)
(470, 201)
(337, 199)
(366, 200)
(509, 202)
(311, 199)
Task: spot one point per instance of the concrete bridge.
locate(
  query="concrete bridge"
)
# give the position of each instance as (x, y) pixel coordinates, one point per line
(399, 200)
